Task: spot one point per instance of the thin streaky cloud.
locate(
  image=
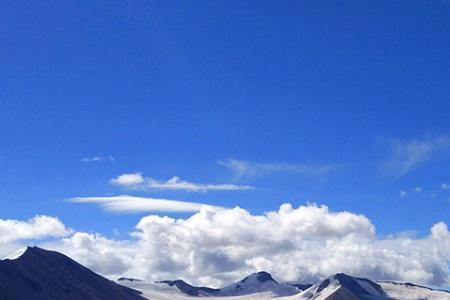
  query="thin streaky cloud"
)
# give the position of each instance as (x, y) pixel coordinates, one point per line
(137, 181)
(90, 159)
(249, 169)
(406, 156)
(131, 204)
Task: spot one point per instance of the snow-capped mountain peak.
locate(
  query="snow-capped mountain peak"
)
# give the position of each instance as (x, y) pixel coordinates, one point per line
(344, 287)
(258, 283)
(262, 286)
(259, 277)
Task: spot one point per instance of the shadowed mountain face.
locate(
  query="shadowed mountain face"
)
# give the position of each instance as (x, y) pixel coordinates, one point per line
(258, 283)
(43, 275)
(260, 277)
(344, 287)
(301, 286)
(190, 289)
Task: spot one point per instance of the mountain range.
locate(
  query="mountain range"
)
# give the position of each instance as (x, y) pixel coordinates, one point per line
(39, 274)
(262, 286)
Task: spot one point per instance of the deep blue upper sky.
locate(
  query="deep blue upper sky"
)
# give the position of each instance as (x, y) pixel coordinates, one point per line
(169, 88)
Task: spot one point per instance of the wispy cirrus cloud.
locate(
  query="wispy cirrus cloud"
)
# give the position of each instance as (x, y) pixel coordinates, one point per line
(409, 155)
(137, 181)
(90, 159)
(131, 204)
(407, 192)
(249, 169)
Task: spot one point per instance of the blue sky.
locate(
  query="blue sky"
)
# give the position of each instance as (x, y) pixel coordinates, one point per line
(338, 103)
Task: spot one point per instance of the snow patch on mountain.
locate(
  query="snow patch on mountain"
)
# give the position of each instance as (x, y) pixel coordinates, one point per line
(262, 286)
(409, 291)
(345, 287)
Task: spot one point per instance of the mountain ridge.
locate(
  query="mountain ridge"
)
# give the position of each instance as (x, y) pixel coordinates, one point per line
(339, 286)
(40, 274)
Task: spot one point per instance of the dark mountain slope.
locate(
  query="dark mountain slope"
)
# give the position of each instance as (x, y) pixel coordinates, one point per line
(46, 275)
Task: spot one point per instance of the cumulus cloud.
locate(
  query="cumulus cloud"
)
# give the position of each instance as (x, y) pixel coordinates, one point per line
(408, 155)
(90, 159)
(131, 204)
(36, 228)
(139, 182)
(13, 232)
(106, 256)
(247, 169)
(307, 243)
(128, 180)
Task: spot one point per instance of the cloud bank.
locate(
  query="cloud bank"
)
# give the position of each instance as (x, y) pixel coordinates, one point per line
(216, 246)
(138, 182)
(14, 232)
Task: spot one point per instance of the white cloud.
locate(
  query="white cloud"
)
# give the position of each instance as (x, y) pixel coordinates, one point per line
(131, 204)
(416, 190)
(217, 246)
(247, 169)
(106, 256)
(407, 156)
(137, 181)
(36, 228)
(128, 180)
(91, 159)
(445, 186)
